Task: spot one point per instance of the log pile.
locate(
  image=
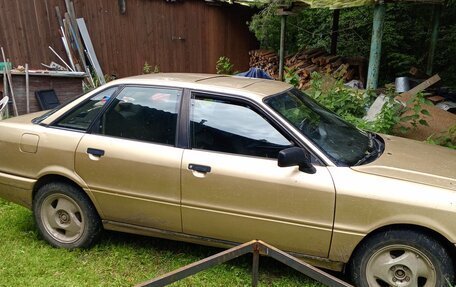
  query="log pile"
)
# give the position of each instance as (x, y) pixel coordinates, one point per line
(265, 60)
(305, 62)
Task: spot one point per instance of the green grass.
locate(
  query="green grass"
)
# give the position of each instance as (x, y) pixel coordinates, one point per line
(118, 260)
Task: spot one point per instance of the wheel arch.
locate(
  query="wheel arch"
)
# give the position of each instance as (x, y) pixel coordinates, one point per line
(451, 248)
(56, 177)
(48, 178)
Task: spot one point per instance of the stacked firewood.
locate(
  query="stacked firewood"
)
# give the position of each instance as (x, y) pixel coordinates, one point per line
(304, 63)
(265, 60)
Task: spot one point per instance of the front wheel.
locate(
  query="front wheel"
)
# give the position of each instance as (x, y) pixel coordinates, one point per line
(65, 216)
(401, 258)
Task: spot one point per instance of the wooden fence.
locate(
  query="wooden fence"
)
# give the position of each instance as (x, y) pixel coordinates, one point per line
(181, 36)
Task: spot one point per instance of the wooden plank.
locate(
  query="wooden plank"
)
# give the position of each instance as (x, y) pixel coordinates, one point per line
(46, 73)
(13, 42)
(76, 35)
(5, 92)
(27, 88)
(5, 84)
(69, 39)
(90, 50)
(28, 42)
(421, 87)
(59, 16)
(50, 30)
(38, 54)
(10, 82)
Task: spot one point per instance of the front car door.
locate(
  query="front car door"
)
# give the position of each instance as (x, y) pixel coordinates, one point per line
(232, 188)
(130, 161)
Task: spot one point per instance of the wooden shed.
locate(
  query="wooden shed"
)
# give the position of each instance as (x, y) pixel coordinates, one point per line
(177, 36)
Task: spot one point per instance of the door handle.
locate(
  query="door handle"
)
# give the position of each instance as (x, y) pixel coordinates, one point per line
(96, 152)
(199, 168)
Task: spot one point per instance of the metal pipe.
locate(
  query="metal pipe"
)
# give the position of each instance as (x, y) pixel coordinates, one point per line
(256, 247)
(27, 88)
(255, 264)
(5, 91)
(434, 36)
(335, 31)
(283, 21)
(376, 46)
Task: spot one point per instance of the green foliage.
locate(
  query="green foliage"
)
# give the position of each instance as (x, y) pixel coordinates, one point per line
(147, 69)
(291, 77)
(266, 27)
(388, 118)
(414, 106)
(224, 66)
(351, 105)
(405, 41)
(447, 138)
(96, 82)
(332, 94)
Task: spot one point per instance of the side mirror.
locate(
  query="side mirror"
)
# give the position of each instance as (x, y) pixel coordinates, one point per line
(295, 156)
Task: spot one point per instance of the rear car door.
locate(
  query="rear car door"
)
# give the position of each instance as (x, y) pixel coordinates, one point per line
(233, 189)
(130, 161)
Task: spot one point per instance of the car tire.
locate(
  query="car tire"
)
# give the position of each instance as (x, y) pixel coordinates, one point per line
(65, 216)
(401, 258)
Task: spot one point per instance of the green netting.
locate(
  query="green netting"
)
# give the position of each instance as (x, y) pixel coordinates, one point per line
(331, 4)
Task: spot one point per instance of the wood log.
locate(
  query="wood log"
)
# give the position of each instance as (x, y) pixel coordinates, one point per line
(330, 59)
(309, 70)
(313, 50)
(337, 64)
(316, 54)
(305, 62)
(341, 71)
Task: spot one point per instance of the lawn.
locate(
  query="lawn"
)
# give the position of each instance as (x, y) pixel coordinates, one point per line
(117, 260)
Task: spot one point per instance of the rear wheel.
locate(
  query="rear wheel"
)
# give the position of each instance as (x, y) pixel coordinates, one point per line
(65, 216)
(401, 258)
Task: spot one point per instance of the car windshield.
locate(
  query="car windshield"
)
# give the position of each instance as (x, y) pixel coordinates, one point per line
(340, 141)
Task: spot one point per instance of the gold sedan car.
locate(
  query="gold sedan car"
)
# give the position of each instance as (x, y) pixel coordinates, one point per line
(222, 160)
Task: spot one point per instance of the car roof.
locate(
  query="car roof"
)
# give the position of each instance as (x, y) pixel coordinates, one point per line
(210, 82)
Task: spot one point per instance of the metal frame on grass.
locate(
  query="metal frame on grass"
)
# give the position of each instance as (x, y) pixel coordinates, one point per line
(256, 247)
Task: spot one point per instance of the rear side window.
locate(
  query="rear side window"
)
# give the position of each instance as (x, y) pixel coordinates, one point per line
(233, 127)
(143, 113)
(82, 116)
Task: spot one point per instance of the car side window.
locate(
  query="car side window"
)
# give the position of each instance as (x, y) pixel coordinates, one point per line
(81, 117)
(233, 127)
(143, 113)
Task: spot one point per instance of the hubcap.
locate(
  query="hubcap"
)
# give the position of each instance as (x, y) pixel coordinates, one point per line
(401, 266)
(62, 218)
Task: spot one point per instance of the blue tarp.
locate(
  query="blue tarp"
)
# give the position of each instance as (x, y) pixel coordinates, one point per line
(255, 73)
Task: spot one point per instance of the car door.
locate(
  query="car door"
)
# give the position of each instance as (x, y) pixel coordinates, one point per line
(130, 161)
(233, 189)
